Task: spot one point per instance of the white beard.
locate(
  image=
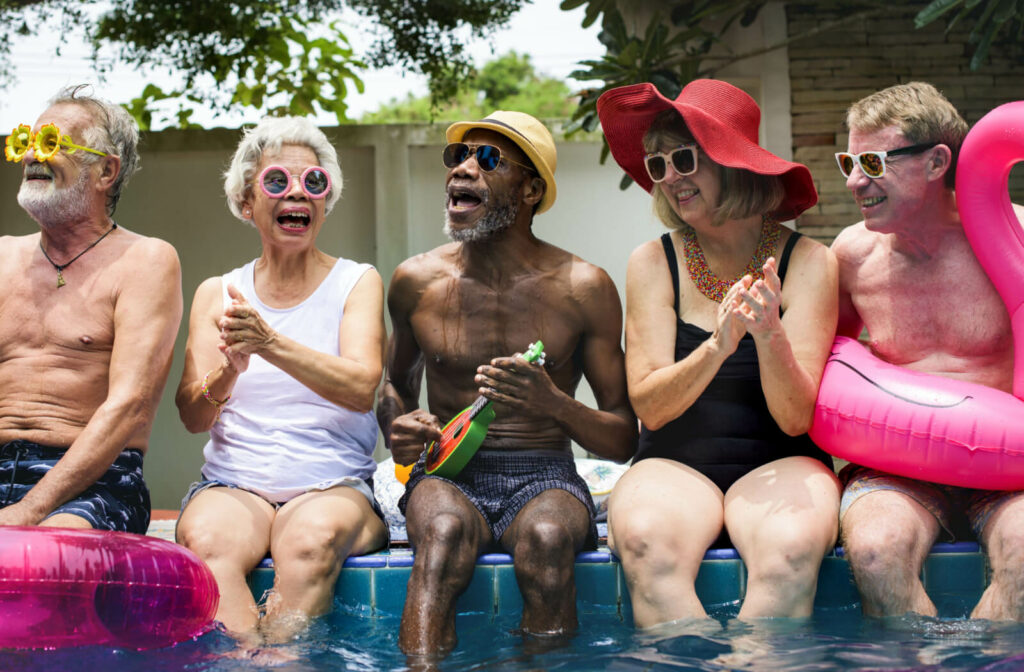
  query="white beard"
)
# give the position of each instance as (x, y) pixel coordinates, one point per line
(51, 206)
(497, 219)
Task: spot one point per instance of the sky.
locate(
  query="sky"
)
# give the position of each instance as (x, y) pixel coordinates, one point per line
(553, 38)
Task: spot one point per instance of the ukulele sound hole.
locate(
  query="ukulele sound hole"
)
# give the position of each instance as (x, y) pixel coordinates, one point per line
(458, 431)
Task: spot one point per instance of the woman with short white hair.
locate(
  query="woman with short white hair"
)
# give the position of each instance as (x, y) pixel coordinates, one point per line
(283, 358)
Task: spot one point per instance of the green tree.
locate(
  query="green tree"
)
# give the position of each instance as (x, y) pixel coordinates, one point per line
(276, 56)
(508, 82)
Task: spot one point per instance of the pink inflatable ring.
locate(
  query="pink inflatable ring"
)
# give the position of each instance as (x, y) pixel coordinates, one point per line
(61, 587)
(928, 427)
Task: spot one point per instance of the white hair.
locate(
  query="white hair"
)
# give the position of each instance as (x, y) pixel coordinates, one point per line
(115, 133)
(268, 136)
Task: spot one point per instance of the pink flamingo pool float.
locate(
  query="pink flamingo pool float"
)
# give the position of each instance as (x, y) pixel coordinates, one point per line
(928, 427)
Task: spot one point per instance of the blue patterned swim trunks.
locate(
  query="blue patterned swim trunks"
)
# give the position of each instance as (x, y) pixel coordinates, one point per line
(118, 501)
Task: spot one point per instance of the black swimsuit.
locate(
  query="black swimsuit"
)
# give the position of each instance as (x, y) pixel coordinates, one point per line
(728, 431)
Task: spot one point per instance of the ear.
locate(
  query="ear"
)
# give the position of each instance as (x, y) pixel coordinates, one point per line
(110, 167)
(534, 190)
(939, 162)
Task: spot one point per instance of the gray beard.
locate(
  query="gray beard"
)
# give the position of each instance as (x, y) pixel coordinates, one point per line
(51, 206)
(497, 219)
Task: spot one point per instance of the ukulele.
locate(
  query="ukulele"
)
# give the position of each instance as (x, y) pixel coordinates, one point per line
(462, 436)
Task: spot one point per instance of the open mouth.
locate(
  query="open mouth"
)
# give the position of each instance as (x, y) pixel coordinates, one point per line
(462, 198)
(294, 220)
(871, 202)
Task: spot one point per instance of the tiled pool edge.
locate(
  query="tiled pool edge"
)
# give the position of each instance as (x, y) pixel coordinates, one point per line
(373, 586)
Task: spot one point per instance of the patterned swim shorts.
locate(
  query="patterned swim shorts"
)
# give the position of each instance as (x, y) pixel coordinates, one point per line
(959, 511)
(118, 501)
(500, 484)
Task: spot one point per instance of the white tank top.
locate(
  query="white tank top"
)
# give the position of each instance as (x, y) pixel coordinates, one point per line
(275, 436)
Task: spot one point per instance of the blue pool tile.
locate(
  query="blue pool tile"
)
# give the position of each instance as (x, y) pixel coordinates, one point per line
(596, 586)
(479, 597)
(836, 589)
(625, 604)
(955, 581)
(507, 598)
(354, 588)
(389, 589)
(260, 581)
(721, 582)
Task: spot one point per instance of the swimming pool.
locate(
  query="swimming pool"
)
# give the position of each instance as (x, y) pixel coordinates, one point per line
(362, 633)
(832, 640)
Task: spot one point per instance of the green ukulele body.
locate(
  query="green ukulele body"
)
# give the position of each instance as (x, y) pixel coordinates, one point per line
(462, 436)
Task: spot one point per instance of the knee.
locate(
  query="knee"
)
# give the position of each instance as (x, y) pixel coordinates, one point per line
(446, 543)
(544, 555)
(880, 548)
(545, 539)
(205, 541)
(1005, 548)
(646, 546)
(314, 551)
(787, 557)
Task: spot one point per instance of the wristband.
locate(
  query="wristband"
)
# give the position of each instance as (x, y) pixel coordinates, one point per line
(208, 396)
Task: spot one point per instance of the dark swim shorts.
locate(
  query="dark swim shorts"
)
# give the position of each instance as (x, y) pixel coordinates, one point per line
(500, 484)
(118, 501)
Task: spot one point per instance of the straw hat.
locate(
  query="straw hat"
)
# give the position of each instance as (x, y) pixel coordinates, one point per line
(723, 120)
(529, 134)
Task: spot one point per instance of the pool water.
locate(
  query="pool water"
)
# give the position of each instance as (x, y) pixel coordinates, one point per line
(831, 640)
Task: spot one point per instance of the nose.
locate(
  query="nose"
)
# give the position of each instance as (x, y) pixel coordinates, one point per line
(856, 178)
(295, 190)
(468, 167)
(670, 173)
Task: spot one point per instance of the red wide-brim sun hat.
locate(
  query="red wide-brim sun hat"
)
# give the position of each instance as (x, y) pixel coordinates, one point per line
(723, 120)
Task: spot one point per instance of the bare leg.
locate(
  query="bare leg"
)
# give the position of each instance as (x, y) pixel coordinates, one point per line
(230, 530)
(544, 538)
(448, 534)
(1003, 538)
(887, 536)
(310, 539)
(783, 517)
(67, 520)
(662, 517)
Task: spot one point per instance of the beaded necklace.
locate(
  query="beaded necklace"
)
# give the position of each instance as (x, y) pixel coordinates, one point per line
(709, 284)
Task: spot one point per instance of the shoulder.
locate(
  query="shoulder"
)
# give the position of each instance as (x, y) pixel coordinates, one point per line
(152, 254)
(854, 243)
(210, 288)
(416, 273)
(14, 249)
(647, 256)
(585, 278)
(809, 252)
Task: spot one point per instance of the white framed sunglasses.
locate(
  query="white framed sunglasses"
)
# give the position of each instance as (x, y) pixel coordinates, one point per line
(683, 159)
(872, 164)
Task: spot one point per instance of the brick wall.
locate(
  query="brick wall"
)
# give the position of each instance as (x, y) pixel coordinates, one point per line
(835, 67)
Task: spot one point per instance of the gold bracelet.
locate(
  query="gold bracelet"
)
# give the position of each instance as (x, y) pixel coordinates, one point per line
(208, 396)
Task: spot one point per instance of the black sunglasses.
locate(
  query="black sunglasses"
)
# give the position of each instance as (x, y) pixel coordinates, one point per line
(487, 156)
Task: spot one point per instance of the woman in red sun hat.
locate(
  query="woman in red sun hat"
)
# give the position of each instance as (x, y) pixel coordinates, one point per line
(729, 319)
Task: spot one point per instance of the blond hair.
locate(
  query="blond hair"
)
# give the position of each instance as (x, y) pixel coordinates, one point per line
(742, 193)
(922, 114)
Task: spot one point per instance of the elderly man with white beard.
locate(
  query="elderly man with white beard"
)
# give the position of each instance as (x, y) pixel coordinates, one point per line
(88, 316)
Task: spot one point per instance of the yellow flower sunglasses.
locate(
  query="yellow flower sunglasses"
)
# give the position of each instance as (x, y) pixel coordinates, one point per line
(46, 143)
